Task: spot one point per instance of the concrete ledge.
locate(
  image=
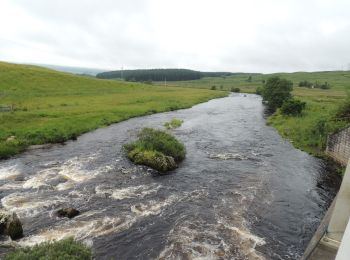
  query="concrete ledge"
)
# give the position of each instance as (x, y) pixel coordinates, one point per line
(314, 245)
(331, 243)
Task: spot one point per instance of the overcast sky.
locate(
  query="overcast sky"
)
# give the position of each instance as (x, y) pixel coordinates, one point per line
(208, 35)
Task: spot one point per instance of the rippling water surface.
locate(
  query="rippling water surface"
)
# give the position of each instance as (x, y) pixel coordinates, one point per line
(241, 193)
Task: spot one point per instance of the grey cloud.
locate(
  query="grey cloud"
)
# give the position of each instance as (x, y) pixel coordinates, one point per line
(280, 36)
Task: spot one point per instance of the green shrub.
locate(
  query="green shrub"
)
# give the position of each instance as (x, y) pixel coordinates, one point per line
(292, 107)
(67, 249)
(276, 91)
(305, 83)
(213, 88)
(156, 149)
(308, 84)
(237, 90)
(259, 90)
(174, 123)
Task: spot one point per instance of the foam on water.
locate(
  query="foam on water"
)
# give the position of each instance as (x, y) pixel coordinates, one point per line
(227, 156)
(73, 170)
(12, 185)
(46, 178)
(198, 240)
(9, 172)
(130, 192)
(81, 229)
(65, 175)
(29, 204)
(153, 207)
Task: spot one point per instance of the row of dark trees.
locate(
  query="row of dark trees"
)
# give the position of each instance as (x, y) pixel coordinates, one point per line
(159, 74)
(308, 84)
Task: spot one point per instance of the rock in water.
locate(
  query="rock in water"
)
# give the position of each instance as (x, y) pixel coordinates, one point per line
(68, 212)
(10, 225)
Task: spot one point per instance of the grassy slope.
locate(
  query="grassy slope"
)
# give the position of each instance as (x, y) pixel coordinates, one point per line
(53, 106)
(321, 104)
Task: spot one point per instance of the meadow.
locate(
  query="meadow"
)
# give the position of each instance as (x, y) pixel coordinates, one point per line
(39, 105)
(309, 131)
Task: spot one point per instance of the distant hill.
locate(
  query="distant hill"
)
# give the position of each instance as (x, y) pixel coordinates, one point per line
(73, 70)
(159, 74)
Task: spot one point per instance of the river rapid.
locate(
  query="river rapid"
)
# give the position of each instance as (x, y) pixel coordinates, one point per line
(241, 193)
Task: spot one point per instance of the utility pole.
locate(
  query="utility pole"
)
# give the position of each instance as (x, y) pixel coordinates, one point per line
(121, 73)
(165, 82)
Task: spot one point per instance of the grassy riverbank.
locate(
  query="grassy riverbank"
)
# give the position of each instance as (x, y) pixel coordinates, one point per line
(40, 106)
(309, 131)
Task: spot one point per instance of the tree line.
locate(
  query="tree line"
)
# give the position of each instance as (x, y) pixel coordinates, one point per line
(159, 74)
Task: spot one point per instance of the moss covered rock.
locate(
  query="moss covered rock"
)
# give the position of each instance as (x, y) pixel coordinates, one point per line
(153, 159)
(10, 225)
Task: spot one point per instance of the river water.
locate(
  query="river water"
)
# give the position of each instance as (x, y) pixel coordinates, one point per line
(241, 193)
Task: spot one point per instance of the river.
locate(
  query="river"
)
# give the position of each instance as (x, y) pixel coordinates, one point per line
(241, 193)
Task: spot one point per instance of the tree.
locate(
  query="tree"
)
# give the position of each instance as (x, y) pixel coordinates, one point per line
(249, 79)
(276, 91)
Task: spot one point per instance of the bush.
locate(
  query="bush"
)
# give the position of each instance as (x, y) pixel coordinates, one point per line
(259, 91)
(276, 91)
(305, 84)
(236, 90)
(308, 84)
(156, 149)
(174, 123)
(292, 107)
(67, 249)
(325, 86)
(213, 88)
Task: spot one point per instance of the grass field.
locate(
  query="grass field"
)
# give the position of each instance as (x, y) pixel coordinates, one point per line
(49, 106)
(309, 131)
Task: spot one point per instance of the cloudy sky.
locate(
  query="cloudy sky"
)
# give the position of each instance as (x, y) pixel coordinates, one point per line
(209, 35)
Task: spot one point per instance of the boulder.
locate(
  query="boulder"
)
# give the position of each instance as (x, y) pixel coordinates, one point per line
(155, 160)
(10, 225)
(67, 212)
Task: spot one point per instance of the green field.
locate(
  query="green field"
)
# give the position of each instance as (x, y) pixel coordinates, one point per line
(49, 106)
(309, 131)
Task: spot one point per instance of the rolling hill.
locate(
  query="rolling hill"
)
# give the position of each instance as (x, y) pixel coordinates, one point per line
(39, 105)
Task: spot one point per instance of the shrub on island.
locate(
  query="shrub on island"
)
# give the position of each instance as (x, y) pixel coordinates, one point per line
(156, 149)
